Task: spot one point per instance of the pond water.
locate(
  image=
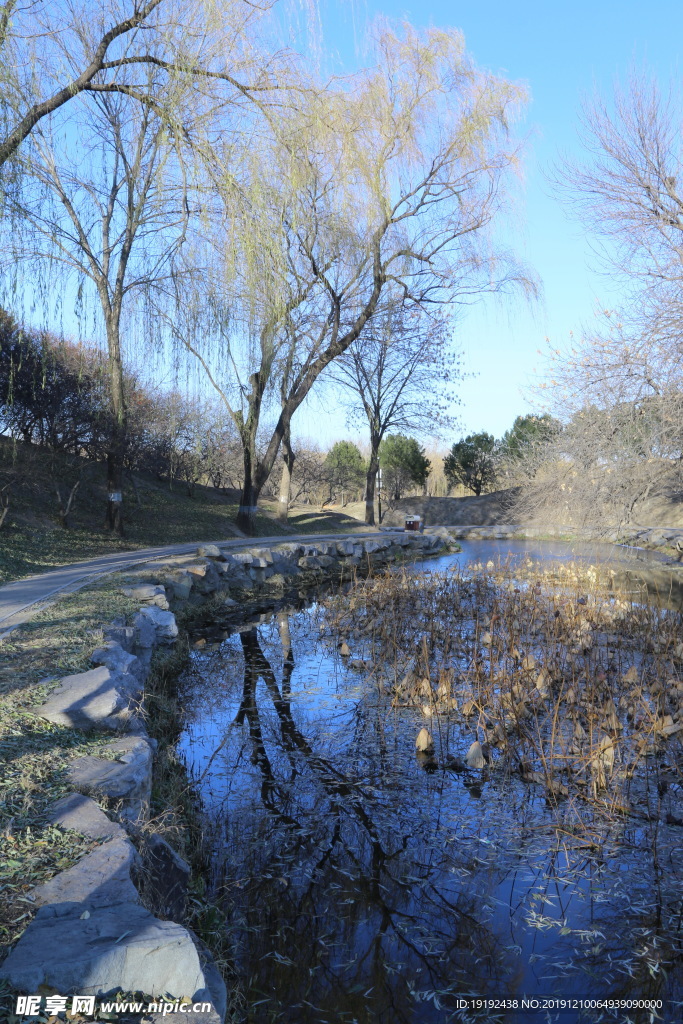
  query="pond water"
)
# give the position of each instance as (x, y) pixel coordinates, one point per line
(362, 882)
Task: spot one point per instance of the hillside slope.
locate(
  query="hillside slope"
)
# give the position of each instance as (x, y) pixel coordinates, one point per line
(33, 540)
(497, 508)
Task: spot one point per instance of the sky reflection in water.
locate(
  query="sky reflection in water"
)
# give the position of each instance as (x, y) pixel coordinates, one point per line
(362, 884)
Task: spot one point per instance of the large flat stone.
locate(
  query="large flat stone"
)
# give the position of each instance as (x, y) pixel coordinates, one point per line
(182, 587)
(121, 634)
(263, 554)
(234, 574)
(114, 657)
(128, 777)
(217, 995)
(344, 547)
(289, 550)
(145, 592)
(209, 551)
(207, 581)
(145, 636)
(81, 814)
(90, 700)
(198, 570)
(164, 623)
(243, 557)
(309, 562)
(117, 948)
(101, 878)
(371, 546)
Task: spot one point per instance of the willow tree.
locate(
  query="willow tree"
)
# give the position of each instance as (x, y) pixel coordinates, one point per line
(39, 75)
(106, 212)
(107, 187)
(386, 186)
(56, 51)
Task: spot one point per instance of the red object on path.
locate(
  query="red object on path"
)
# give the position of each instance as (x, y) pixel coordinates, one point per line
(413, 523)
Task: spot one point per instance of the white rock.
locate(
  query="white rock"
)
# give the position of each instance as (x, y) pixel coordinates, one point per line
(90, 700)
(144, 591)
(101, 878)
(117, 948)
(81, 814)
(209, 551)
(112, 655)
(164, 623)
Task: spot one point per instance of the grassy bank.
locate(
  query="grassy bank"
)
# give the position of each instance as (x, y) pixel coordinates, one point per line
(34, 755)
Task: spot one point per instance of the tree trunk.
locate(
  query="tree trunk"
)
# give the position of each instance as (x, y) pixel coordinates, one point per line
(288, 458)
(66, 506)
(114, 517)
(246, 515)
(5, 493)
(117, 443)
(371, 481)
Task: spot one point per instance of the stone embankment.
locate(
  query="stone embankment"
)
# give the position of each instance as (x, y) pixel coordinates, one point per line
(92, 934)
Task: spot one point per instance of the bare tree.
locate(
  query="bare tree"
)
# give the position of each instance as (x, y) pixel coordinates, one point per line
(629, 194)
(398, 373)
(620, 387)
(309, 476)
(113, 218)
(386, 187)
(60, 51)
(602, 470)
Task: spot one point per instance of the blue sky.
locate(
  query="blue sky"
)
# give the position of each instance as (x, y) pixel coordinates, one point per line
(563, 52)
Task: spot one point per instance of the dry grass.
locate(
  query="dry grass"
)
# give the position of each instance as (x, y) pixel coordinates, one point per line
(563, 682)
(34, 755)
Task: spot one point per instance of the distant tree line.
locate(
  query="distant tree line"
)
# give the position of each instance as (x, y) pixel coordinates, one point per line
(480, 462)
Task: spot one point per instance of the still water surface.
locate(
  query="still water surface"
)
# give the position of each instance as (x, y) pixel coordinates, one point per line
(362, 884)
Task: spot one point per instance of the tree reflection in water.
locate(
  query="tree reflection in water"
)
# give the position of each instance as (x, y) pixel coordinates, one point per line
(368, 890)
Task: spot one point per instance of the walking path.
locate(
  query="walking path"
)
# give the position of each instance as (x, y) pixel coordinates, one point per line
(20, 600)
